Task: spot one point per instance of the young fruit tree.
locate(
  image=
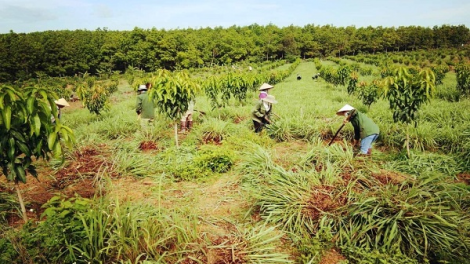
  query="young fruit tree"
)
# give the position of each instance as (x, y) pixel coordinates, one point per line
(95, 94)
(27, 132)
(369, 93)
(462, 72)
(406, 93)
(352, 83)
(172, 94)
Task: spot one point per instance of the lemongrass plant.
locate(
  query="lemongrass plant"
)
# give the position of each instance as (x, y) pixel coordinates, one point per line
(113, 231)
(260, 245)
(421, 219)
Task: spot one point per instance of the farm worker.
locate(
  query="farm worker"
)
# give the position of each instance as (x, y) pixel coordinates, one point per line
(261, 113)
(365, 129)
(187, 117)
(61, 103)
(144, 107)
(264, 90)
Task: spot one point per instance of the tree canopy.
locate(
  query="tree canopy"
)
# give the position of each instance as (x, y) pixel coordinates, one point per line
(67, 53)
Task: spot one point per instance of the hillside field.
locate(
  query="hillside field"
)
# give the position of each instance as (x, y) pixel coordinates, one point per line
(229, 195)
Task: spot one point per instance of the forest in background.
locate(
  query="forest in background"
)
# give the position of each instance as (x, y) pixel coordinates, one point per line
(69, 53)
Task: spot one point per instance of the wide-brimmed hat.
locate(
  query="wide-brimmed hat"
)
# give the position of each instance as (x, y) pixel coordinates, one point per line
(345, 108)
(61, 102)
(142, 87)
(266, 86)
(270, 99)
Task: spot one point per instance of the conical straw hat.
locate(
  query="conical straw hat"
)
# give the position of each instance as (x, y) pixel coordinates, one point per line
(61, 102)
(266, 86)
(345, 108)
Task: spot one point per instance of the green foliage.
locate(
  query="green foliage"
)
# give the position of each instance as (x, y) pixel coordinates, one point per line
(8, 206)
(463, 78)
(373, 256)
(369, 93)
(83, 231)
(420, 219)
(465, 154)
(352, 83)
(173, 92)
(215, 159)
(344, 73)
(366, 71)
(27, 132)
(95, 95)
(440, 73)
(48, 241)
(258, 245)
(407, 92)
(427, 163)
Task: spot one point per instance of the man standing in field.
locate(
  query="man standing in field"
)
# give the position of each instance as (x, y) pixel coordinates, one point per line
(365, 130)
(144, 108)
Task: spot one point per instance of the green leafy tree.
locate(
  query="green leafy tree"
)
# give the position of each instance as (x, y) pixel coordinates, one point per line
(369, 93)
(27, 132)
(95, 94)
(463, 79)
(172, 94)
(352, 83)
(406, 93)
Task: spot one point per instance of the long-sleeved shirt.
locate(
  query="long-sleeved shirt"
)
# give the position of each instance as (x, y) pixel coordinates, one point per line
(363, 126)
(259, 112)
(145, 106)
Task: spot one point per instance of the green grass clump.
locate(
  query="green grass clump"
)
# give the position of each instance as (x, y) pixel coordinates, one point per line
(421, 219)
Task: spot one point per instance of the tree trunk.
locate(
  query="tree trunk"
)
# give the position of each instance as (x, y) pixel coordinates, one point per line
(176, 135)
(407, 141)
(20, 198)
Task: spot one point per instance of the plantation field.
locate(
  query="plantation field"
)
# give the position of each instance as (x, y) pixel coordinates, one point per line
(229, 195)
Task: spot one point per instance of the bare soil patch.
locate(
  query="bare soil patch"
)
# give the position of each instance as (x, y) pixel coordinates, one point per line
(148, 146)
(323, 199)
(332, 257)
(77, 177)
(464, 178)
(389, 177)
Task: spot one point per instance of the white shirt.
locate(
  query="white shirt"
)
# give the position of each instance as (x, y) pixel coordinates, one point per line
(266, 106)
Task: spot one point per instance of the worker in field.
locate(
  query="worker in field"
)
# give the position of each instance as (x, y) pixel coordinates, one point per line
(261, 113)
(61, 103)
(366, 131)
(145, 107)
(187, 117)
(264, 89)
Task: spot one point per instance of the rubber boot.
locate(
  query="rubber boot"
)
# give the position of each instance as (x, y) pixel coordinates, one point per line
(183, 127)
(190, 125)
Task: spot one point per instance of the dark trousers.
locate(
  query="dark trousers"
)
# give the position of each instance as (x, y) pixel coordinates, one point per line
(258, 126)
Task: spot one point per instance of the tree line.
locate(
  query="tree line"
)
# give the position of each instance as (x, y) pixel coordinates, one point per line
(68, 53)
